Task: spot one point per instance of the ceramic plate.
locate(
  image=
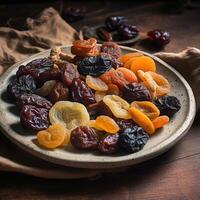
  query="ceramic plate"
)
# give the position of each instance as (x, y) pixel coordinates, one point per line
(157, 144)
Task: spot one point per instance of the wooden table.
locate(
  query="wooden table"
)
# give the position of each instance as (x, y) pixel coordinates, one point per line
(174, 175)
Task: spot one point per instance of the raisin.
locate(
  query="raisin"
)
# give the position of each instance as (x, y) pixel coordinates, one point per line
(133, 139)
(135, 92)
(111, 48)
(34, 118)
(69, 72)
(127, 31)
(34, 100)
(81, 93)
(95, 65)
(109, 144)
(124, 123)
(24, 84)
(113, 22)
(84, 137)
(168, 105)
(59, 92)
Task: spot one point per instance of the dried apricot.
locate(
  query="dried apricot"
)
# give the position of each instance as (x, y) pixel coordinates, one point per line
(113, 89)
(147, 107)
(107, 124)
(142, 120)
(93, 124)
(118, 106)
(128, 74)
(85, 44)
(52, 137)
(160, 121)
(127, 56)
(96, 83)
(119, 79)
(107, 76)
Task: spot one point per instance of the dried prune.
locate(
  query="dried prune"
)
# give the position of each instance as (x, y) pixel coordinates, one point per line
(68, 73)
(168, 105)
(114, 61)
(124, 123)
(127, 32)
(103, 34)
(95, 65)
(59, 92)
(34, 118)
(111, 48)
(109, 144)
(81, 93)
(135, 92)
(34, 100)
(84, 137)
(72, 14)
(24, 84)
(113, 22)
(133, 139)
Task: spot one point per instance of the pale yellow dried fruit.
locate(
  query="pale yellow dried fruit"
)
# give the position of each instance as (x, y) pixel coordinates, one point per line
(96, 83)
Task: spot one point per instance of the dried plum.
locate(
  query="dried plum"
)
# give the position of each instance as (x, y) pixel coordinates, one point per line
(95, 65)
(109, 144)
(24, 84)
(84, 137)
(127, 32)
(72, 14)
(81, 93)
(34, 118)
(133, 139)
(124, 123)
(168, 105)
(135, 92)
(113, 22)
(111, 48)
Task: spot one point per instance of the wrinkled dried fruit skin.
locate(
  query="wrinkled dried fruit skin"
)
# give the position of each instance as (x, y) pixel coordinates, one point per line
(109, 144)
(72, 14)
(95, 65)
(114, 61)
(113, 22)
(111, 48)
(127, 32)
(168, 105)
(133, 139)
(34, 118)
(68, 73)
(34, 100)
(103, 34)
(81, 93)
(135, 92)
(84, 137)
(24, 84)
(59, 92)
(124, 124)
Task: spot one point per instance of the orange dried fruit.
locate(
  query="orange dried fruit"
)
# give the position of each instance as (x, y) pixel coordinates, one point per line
(160, 121)
(52, 137)
(93, 124)
(96, 83)
(113, 89)
(127, 56)
(118, 79)
(85, 44)
(142, 120)
(107, 76)
(147, 107)
(128, 74)
(107, 124)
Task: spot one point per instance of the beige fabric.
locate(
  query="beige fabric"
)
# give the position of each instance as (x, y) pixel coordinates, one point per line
(43, 33)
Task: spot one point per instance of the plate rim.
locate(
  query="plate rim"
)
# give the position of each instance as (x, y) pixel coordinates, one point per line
(98, 164)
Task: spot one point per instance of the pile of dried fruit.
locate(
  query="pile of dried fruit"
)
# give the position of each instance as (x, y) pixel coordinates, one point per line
(97, 99)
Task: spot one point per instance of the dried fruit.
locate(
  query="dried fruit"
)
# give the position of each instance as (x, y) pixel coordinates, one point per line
(147, 107)
(168, 105)
(113, 22)
(81, 93)
(99, 96)
(126, 31)
(111, 48)
(119, 79)
(34, 118)
(84, 137)
(160, 121)
(107, 76)
(109, 144)
(128, 74)
(68, 73)
(96, 83)
(126, 57)
(52, 137)
(142, 120)
(103, 34)
(46, 88)
(71, 114)
(95, 65)
(118, 106)
(113, 89)
(24, 84)
(135, 92)
(133, 139)
(34, 100)
(72, 14)
(93, 124)
(124, 123)
(107, 124)
(59, 92)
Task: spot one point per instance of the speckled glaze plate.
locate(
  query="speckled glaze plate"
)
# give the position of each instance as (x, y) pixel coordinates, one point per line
(68, 156)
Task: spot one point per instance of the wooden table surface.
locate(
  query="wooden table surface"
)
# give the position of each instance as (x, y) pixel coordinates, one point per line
(174, 175)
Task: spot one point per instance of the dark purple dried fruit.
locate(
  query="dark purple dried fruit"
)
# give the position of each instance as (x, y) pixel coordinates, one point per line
(113, 22)
(133, 139)
(95, 65)
(109, 144)
(168, 105)
(124, 124)
(34, 118)
(103, 34)
(24, 84)
(34, 100)
(72, 14)
(159, 37)
(84, 137)
(111, 48)
(135, 92)
(127, 32)
(81, 93)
